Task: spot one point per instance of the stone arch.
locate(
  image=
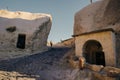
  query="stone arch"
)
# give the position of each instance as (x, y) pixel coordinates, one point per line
(93, 52)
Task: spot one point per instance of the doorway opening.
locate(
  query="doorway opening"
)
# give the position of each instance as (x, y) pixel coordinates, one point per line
(92, 51)
(21, 41)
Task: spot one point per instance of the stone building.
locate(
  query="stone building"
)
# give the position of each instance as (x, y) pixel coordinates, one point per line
(23, 32)
(97, 33)
(98, 47)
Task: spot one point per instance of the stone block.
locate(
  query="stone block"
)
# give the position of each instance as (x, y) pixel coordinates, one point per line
(96, 68)
(74, 64)
(111, 71)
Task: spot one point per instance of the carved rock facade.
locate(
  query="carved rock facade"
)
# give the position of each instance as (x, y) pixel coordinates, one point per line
(23, 33)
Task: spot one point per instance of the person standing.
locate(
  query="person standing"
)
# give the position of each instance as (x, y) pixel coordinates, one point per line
(51, 44)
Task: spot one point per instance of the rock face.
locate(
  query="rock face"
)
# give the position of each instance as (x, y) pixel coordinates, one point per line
(4, 75)
(23, 32)
(99, 15)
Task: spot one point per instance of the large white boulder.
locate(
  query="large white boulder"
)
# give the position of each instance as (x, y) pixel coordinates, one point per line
(23, 32)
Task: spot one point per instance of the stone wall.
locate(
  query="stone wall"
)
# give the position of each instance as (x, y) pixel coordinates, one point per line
(68, 42)
(106, 39)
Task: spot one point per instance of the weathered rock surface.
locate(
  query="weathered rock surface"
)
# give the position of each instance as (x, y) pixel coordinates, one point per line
(22, 33)
(50, 65)
(96, 68)
(46, 65)
(111, 71)
(99, 15)
(4, 75)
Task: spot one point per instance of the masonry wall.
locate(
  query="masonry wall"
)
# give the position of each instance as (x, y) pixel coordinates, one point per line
(106, 39)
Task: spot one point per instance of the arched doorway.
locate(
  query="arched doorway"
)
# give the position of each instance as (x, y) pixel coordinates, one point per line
(92, 51)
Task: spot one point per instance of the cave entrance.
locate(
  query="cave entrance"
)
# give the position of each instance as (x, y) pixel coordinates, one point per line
(92, 51)
(21, 41)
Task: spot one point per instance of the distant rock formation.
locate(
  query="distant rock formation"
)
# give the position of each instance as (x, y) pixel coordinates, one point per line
(23, 32)
(99, 15)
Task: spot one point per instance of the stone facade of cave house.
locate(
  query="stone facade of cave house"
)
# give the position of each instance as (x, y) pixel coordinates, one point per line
(23, 32)
(97, 33)
(98, 47)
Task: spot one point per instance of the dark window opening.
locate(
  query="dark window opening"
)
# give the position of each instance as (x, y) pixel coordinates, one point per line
(92, 51)
(21, 41)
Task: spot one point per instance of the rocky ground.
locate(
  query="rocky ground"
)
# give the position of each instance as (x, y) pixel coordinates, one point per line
(50, 65)
(42, 66)
(5, 75)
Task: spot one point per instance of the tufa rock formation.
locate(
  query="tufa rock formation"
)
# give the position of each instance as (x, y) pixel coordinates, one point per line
(99, 15)
(22, 33)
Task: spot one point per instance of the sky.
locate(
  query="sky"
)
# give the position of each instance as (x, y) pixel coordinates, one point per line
(62, 12)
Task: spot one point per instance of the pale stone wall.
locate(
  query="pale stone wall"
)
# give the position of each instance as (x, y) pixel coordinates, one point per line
(106, 39)
(69, 42)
